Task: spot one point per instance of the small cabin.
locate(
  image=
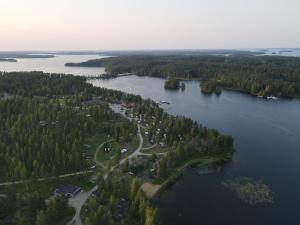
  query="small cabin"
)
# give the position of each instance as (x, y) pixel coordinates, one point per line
(67, 190)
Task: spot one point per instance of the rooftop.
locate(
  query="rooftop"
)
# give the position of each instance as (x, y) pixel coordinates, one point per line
(67, 189)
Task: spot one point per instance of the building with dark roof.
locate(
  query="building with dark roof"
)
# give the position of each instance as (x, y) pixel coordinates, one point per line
(67, 190)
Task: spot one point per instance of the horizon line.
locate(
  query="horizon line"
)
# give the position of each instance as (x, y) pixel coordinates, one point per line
(150, 49)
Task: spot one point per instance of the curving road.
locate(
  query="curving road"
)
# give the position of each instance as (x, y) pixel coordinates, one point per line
(78, 201)
(137, 152)
(97, 151)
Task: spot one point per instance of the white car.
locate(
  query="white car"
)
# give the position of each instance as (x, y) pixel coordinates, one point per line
(123, 150)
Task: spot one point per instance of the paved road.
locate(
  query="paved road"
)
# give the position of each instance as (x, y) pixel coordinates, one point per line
(77, 204)
(137, 152)
(80, 200)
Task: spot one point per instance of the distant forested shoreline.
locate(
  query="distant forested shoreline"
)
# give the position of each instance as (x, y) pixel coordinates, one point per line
(256, 75)
(8, 60)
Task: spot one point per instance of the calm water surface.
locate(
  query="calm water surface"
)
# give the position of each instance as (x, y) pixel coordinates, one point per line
(53, 65)
(267, 141)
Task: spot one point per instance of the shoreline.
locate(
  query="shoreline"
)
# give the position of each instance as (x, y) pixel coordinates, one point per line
(192, 79)
(156, 189)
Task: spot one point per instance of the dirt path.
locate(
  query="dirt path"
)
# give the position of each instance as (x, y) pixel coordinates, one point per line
(46, 178)
(150, 189)
(3, 196)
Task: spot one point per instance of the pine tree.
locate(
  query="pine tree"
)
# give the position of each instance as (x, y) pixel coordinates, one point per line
(41, 218)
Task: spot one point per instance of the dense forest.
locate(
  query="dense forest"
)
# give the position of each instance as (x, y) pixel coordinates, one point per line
(39, 84)
(25, 55)
(257, 75)
(119, 200)
(40, 138)
(209, 87)
(46, 121)
(44, 134)
(172, 83)
(7, 60)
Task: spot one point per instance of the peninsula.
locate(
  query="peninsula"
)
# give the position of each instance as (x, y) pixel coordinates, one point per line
(104, 142)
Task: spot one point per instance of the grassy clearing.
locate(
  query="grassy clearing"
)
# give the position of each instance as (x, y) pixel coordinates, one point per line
(94, 141)
(146, 139)
(156, 149)
(103, 157)
(131, 146)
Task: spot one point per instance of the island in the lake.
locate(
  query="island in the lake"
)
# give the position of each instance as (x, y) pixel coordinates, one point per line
(257, 75)
(7, 60)
(174, 84)
(13, 56)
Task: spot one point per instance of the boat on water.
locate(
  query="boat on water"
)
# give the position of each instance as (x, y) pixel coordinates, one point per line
(164, 102)
(272, 98)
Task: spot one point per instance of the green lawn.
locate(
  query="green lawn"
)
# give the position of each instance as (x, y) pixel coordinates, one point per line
(130, 146)
(146, 138)
(156, 149)
(105, 157)
(96, 140)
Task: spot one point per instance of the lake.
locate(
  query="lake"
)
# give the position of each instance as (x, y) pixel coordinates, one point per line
(267, 142)
(54, 65)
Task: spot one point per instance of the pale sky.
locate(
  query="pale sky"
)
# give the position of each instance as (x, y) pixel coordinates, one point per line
(148, 24)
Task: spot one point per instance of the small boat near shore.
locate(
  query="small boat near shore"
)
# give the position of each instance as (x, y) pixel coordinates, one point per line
(164, 102)
(268, 97)
(272, 98)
